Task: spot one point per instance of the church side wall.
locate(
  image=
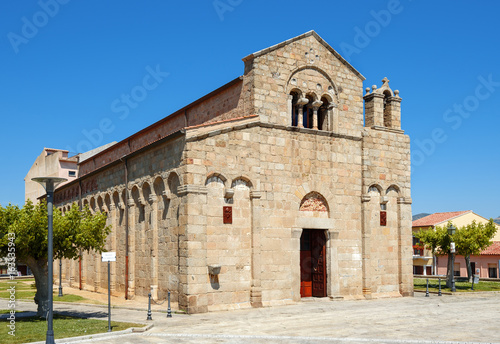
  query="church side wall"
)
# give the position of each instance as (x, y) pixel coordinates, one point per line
(153, 225)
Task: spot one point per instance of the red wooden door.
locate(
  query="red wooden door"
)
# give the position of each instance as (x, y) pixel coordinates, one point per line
(312, 263)
(318, 259)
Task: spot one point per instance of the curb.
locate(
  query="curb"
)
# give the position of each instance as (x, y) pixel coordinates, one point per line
(100, 335)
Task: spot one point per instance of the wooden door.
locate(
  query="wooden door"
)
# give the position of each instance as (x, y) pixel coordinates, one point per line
(318, 263)
(312, 263)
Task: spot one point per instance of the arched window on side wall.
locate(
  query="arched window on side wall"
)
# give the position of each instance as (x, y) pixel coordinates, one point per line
(295, 112)
(323, 114)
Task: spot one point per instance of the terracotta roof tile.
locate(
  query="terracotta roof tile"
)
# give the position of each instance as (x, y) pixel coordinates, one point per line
(436, 218)
(493, 250)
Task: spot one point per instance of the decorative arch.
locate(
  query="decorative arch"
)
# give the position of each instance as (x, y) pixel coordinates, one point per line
(159, 186)
(319, 70)
(173, 182)
(375, 188)
(146, 191)
(215, 177)
(393, 188)
(314, 201)
(107, 201)
(241, 181)
(100, 204)
(92, 204)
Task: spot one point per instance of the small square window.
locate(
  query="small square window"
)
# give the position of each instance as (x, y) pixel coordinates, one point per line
(71, 173)
(383, 206)
(383, 218)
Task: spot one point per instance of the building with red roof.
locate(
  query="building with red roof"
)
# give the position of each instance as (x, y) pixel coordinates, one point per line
(424, 263)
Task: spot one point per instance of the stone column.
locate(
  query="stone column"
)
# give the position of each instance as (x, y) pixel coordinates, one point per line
(256, 288)
(366, 245)
(132, 223)
(300, 106)
(333, 117)
(315, 106)
(333, 290)
(153, 199)
(295, 254)
(405, 247)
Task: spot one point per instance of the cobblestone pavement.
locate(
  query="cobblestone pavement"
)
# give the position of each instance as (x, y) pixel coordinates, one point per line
(419, 319)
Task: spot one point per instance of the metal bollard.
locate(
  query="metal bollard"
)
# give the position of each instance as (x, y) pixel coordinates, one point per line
(472, 288)
(427, 289)
(149, 307)
(439, 293)
(169, 311)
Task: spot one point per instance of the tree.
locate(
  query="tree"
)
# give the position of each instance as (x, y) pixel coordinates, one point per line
(469, 240)
(75, 231)
(433, 240)
(472, 239)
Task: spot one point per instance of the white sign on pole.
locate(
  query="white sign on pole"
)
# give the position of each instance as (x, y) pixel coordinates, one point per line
(108, 256)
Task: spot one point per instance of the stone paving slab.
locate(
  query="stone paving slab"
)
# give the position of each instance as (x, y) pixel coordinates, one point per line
(446, 319)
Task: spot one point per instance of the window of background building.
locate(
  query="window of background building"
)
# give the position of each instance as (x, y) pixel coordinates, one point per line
(492, 271)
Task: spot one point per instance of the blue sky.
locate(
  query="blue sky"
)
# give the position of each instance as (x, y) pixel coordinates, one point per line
(65, 66)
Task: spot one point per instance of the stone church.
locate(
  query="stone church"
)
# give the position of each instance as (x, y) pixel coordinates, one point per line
(272, 188)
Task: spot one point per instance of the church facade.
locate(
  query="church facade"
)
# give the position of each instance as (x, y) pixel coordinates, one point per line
(272, 188)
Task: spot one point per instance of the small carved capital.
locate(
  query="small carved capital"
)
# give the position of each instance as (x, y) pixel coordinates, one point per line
(302, 101)
(316, 104)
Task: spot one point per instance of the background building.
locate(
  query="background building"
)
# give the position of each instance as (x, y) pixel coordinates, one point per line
(425, 264)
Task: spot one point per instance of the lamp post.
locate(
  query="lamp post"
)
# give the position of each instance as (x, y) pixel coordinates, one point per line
(60, 278)
(49, 184)
(451, 232)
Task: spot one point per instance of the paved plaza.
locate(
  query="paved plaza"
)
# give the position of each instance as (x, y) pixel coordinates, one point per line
(419, 319)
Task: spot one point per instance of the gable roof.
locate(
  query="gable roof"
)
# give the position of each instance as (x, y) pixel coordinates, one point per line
(493, 250)
(437, 218)
(304, 35)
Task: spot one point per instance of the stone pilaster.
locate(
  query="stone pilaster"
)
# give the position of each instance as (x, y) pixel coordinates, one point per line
(256, 289)
(405, 247)
(132, 223)
(366, 245)
(295, 250)
(153, 200)
(193, 274)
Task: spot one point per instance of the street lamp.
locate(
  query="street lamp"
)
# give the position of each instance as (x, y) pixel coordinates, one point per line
(49, 184)
(60, 278)
(451, 232)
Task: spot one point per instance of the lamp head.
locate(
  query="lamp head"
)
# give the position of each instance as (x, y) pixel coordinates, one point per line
(451, 229)
(49, 183)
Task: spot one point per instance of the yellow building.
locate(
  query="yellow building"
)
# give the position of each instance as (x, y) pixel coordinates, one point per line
(423, 261)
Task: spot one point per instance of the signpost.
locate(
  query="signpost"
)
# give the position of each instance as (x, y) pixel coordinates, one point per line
(109, 257)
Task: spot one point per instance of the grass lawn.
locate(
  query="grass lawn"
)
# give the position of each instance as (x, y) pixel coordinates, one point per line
(420, 284)
(33, 329)
(25, 291)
